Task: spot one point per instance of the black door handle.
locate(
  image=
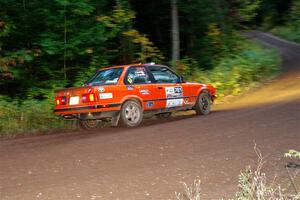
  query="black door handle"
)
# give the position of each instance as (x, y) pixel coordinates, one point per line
(159, 87)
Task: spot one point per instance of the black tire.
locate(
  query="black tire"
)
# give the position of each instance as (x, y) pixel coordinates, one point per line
(163, 115)
(203, 104)
(131, 114)
(90, 124)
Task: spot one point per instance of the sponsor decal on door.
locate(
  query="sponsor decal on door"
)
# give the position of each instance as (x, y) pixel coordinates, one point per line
(106, 96)
(173, 92)
(174, 103)
(144, 92)
(174, 96)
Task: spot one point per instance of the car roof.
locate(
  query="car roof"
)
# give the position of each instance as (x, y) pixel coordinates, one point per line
(130, 65)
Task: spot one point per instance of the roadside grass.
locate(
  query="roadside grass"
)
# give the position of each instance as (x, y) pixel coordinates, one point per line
(241, 70)
(287, 32)
(28, 117)
(252, 185)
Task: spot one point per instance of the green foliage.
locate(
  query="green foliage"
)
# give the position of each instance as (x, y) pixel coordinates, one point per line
(247, 9)
(291, 29)
(216, 43)
(5, 29)
(65, 41)
(295, 14)
(204, 28)
(46, 45)
(287, 32)
(134, 46)
(186, 67)
(251, 65)
(147, 49)
(235, 73)
(244, 188)
(28, 117)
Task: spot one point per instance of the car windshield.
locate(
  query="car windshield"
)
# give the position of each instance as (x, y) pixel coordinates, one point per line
(105, 77)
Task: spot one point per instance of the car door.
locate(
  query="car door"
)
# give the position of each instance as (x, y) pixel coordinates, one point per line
(139, 83)
(168, 91)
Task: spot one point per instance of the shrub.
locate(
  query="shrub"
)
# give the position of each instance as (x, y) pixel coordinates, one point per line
(287, 32)
(293, 154)
(28, 117)
(254, 184)
(191, 192)
(234, 73)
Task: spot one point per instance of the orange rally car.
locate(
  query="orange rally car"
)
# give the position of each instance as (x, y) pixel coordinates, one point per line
(126, 94)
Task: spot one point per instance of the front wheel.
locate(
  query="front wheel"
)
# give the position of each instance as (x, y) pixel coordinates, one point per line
(203, 104)
(131, 114)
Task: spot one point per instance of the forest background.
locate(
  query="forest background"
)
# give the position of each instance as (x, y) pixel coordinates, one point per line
(46, 45)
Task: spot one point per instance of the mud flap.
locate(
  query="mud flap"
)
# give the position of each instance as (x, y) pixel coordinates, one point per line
(115, 119)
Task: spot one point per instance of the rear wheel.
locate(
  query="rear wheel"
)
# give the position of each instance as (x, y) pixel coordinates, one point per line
(131, 114)
(203, 104)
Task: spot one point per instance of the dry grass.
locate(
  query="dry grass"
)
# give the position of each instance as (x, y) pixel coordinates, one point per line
(253, 185)
(191, 192)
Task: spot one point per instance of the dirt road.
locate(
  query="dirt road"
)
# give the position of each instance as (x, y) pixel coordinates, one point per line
(151, 161)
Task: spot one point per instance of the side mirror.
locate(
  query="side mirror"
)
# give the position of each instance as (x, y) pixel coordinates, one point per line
(181, 79)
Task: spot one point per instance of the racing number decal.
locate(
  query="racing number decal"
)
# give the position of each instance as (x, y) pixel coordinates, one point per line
(174, 96)
(173, 92)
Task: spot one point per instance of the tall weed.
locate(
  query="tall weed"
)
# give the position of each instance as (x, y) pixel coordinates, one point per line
(30, 116)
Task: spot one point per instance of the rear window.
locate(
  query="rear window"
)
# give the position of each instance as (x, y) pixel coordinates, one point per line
(105, 77)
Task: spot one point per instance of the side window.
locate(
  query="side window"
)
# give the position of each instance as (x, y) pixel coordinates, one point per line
(163, 75)
(137, 75)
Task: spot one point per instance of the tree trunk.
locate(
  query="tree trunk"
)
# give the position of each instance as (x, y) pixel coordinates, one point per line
(65, 42)
(175, 31)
